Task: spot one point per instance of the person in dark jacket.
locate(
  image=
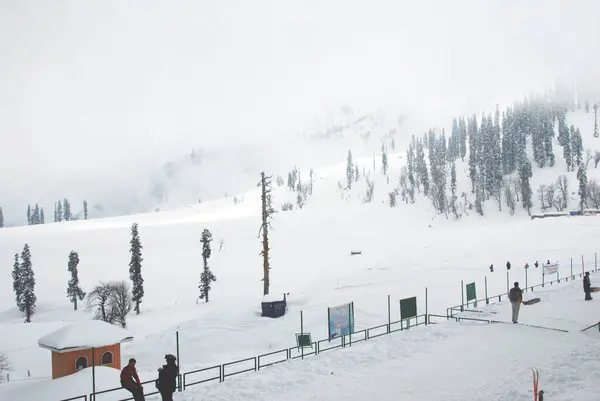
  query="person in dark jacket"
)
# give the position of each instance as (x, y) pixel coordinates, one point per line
(131, 381)
(587, 287)
(507, 265)
(516, 297)
(167, 378)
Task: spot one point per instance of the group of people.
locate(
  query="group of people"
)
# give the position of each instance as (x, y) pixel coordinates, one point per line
(515, 296)
(166, 383)
(508, 265)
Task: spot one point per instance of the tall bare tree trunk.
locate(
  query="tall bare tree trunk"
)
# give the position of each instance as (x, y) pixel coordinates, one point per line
(266, 215)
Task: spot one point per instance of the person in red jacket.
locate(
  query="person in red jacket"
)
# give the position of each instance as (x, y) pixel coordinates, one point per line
(128, 374)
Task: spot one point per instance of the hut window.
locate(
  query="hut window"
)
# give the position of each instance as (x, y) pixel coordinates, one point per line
(81, 363)
(107, 358)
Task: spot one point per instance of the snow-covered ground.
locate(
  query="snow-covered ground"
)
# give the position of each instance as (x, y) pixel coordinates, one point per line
(404, 249)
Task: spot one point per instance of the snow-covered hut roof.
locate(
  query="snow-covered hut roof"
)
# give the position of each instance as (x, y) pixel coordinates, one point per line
(84, 334)
(273, 297)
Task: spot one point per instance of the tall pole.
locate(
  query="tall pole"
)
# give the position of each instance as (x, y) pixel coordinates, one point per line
(507, 282)
(462, 296)
(582, 266)
(487, 301)
(178, 361)
(426, 306)
(595, 261)
(302, 332)
(572, 276)
(93, 373)
(526, 278)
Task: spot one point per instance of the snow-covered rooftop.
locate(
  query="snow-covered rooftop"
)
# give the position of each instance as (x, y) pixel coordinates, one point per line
(84, 334)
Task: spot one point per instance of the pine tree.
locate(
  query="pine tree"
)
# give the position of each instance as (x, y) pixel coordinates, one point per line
(576, 146)
(384, 160)
(453, 189)
(349, 169)
(35, 219)
(410, 157)
(462, 135)
(74, 291)
(596, 133)
(565, 135)
(59, 212)
(207, 277)
(526, 193)
(1, 218)
(42, 218)
(17, 282)
(29, 217)
(28, 298)
(67, 210)
(135, 268)
(356, 173)
(421, 169)
(582, 177)
(473, 154)
(85, 210)
(393, 145)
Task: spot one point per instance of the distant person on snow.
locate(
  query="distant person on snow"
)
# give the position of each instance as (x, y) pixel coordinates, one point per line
(167, 378)
(527, 265)
(492, 268)
(507, 265)
(587, 287)
(128, 374)
(516, 297)
(536, 264)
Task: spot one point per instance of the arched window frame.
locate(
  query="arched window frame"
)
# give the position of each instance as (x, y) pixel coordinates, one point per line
(87, 364)
(112, 359)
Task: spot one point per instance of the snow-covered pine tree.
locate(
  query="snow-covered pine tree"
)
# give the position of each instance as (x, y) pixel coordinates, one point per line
(410, 161)
(510, 198)
(525, 174)
(135, 268)
(548, 133)
(596, 133)
(473, 147)
(85, 210)
(576, 146)
(59, 211)
(28, 298)
(462, 133)
(1, 218)
(42, 217)
(384, 160)
(566, 144)
(453, 189)
(421, 169)
(74, 291)
(356, 173)
(29, 215)
(454, 143)
(67, 210)
(349, 169)
(207, 276)
(17, 282)
(582, 177)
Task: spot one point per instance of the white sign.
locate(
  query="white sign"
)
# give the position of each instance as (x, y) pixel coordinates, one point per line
(551, 268)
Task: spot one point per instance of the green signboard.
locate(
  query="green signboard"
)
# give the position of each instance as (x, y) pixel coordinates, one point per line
(471, 292)
(408, 308)
(303, 340)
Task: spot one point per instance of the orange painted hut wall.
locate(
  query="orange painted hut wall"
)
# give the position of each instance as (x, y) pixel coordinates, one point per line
(63, 364)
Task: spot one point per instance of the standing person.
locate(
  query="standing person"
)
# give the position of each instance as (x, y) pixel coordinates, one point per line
(492, 268)
(516, 297)
(587, 286)
(167, 378)
(131, 381)
(507, 265)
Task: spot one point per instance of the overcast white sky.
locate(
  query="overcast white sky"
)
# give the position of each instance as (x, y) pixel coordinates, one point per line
(96, 88)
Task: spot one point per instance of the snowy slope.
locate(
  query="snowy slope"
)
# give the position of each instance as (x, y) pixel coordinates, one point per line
(403, 249)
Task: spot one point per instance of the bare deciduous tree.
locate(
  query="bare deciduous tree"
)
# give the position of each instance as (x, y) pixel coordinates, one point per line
(596, 159)
(112, 301)
(4, 366)
(98, 299)
(593, 193)
(516, 185)
(542, 197)
(562, 197)
(510, 197)
(370, 190)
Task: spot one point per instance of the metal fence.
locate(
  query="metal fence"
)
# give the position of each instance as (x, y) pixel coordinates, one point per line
(219, 373)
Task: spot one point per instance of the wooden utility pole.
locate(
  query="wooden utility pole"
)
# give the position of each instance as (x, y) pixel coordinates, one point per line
(267, 212)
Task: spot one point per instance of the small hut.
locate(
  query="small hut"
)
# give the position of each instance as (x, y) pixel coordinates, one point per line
(273, 305)
(72, 346)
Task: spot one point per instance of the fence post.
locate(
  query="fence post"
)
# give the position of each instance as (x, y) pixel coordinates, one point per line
(426, 319)
(526, 278)
(302, 331)
(389, 316)
(507, 282)
(572, 276)
(93, 373)
(487, 301)
(595, 262)
(462, 296)
(582, 266)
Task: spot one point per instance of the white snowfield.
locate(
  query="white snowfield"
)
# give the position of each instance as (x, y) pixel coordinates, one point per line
(404, 249)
